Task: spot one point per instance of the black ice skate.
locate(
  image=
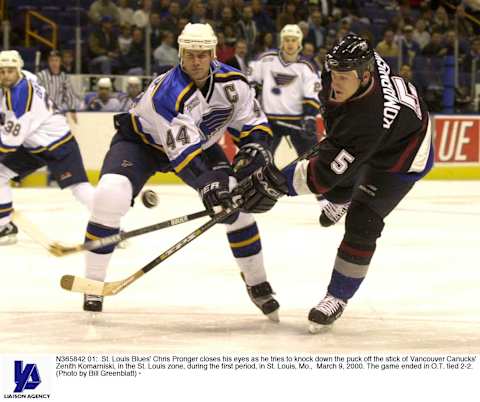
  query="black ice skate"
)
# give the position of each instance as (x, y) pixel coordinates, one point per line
(8, 234)
(261, 296)
(326, 312)
(332, 213)
(93, 303)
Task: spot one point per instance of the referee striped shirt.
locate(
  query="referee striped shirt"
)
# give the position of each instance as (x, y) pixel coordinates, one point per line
(59, 89)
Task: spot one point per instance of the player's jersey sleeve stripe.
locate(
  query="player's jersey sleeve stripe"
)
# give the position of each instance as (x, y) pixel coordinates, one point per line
(184, 95)
(231, 76)
(30, 98)
(312, 102)
(247, 130)
(185, 157)
(245, 242)
(284, 117)
(90, 236)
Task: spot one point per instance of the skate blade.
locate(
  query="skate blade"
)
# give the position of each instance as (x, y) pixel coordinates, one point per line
(315, 328)
(273, 316)
(8, 240)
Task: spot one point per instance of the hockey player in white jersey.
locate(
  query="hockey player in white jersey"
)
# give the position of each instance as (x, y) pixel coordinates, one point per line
(175, 126)
(33, 134)
(289, 90)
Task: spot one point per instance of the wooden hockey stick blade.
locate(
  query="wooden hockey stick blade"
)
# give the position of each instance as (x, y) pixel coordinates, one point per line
(61, 250)
(32, 231)
(90, 286)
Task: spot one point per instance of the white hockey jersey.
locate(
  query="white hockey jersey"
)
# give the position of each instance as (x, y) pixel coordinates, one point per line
(289, 90)
(175, 117)
(31, 118)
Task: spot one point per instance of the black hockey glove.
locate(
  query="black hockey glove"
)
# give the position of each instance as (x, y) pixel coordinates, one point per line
(214, 190)
(249, 158)
(310, 127)
(262, 189)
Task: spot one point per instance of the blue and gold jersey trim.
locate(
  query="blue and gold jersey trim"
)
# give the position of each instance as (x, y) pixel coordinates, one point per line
(53, 146)
(284, 117)
(19, 98)
(231, 76)
(247, 131)
(145, 137)
(311, 102)
(181, 161)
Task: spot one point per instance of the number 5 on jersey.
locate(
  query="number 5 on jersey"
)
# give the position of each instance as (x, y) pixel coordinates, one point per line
(341, 161)
(182, 137)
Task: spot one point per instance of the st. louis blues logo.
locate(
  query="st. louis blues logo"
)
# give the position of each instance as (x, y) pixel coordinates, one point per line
(214, 120)
(283, 80)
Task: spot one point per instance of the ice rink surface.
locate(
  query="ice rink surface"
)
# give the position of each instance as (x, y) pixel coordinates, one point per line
(421, 294)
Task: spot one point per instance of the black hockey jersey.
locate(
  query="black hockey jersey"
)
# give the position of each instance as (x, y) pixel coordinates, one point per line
(387, 127)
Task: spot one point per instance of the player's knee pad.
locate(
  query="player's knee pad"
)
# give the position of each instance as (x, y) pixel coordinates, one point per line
(362, 224)
(111, 200)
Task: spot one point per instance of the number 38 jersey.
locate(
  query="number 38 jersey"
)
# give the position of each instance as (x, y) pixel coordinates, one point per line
(386, 127)
(179, 119)
(30, 118)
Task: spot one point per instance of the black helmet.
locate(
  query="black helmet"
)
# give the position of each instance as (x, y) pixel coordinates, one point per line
(352, 53)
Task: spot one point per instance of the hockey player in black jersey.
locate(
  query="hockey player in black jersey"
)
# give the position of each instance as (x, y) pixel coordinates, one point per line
(378, 144)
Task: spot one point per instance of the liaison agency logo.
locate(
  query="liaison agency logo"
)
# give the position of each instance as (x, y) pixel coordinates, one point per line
(26, 378)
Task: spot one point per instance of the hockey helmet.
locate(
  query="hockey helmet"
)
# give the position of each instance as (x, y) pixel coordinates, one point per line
(292, 30)
(197, 37)
(352, 53)
(11, 58)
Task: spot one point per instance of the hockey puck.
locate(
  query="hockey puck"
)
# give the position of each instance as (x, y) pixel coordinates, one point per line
(150, 198)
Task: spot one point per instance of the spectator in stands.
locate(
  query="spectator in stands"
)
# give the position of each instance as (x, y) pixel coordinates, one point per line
(156, 30)
(265, 42)
(317, 32)
(436, 47)
(239, 59)
(198, 12)
(224, 51)
(308, 52)
(134, 88)
(247, 29)
(304, 27)
(387, 47)
(134, 60)
(68, 61)
(103, 101)
(170, 20)
(450, 39)
(406, 72)
(103, 47)
(103, 8)
(162, 8)
(410, 48)
(440, 20)
(287, 16)
(166, 54)
(262, 19)
(58, 85)
(214, 10)
(420, 34)
(125, 12)
(320, 58)
(368, 36)
(472, 56)
(141, 17)
(125, 39)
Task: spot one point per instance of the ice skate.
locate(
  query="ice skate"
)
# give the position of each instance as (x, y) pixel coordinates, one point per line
(261, 296)
(8, 234)
(92, 303)
(325, 313)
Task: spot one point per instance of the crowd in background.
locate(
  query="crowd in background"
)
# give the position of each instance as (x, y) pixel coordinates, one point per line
(409, 34)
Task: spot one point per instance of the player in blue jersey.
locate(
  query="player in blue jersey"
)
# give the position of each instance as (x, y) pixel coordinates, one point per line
(33, 133)
(175, 126)
(378, 145)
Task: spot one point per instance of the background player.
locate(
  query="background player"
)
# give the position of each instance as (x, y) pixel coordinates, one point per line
(33, 133)
(378, 145)
(176, 126)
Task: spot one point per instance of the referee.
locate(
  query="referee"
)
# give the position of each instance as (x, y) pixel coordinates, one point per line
(58, 85)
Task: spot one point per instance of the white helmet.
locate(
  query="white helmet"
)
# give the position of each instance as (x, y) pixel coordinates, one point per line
(11, 58)
(197, 37)
(132, 80)
(104, 82)
(291, 30)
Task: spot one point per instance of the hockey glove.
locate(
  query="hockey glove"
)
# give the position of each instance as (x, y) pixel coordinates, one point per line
(262, 189)
(250, 158)
(214, 190)
(310, 127)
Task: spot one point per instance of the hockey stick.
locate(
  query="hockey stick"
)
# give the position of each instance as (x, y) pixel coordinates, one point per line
(31, 230)
(284, 124)
(61, 250)
(99, 288)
